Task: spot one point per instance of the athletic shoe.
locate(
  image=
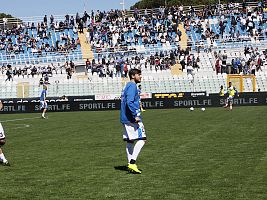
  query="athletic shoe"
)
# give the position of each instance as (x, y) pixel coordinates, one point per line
(133, 168)
(5, 163)
(43, 117)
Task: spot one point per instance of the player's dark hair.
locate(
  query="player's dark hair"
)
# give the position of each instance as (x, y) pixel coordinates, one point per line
(132, 72)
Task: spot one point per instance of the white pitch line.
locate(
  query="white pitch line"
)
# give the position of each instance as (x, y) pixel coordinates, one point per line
(20, 126)
(21, 119)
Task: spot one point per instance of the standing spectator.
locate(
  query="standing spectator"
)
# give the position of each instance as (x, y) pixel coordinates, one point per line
(80, 26)
(9, 73)
(253, 68)
(41, 82)
(72, 66)
(218, 65)
(179, 33)
(78, 19)
(45, 19)
(87, 35)
(87, 65)
(221, 93)
(224, 59)
(33, 71)
(51, 19)
(46, 79)
(71, 21)
(125, 70)
(85, 17)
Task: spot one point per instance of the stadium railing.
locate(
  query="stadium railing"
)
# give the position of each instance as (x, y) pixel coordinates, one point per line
(36, 19)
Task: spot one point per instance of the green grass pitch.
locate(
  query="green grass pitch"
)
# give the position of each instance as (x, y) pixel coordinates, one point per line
(211, 155)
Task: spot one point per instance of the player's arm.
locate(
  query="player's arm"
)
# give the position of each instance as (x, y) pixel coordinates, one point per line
(135, 110)
(1, 105)
(45, 96)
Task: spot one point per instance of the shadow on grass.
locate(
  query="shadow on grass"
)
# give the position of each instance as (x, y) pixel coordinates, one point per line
(125, 168)
(121, 168)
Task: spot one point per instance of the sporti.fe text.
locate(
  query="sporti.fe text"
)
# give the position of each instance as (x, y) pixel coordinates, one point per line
(55, 107)
(196, 102)
(241, 101)
(156, 104)
(95, 106)
(14, 108)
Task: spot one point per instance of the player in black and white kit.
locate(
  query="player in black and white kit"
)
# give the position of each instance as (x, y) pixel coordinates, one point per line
(3, 159)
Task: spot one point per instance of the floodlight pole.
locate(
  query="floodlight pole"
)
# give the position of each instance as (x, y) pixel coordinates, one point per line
(84, 6)
(123, 4)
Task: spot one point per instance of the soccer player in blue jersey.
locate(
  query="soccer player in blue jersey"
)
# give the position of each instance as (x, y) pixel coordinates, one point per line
(3, 159)
(43, 102)
(130, 117)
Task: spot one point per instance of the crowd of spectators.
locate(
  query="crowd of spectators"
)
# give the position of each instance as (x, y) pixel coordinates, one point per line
(119, 64)
(32, 71)
(248, 62)
(117, 30)
(37, 38)
(232, 22)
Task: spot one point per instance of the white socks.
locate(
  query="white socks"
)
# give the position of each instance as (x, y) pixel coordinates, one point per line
(137, 148)
(3, 158)
(129, 150)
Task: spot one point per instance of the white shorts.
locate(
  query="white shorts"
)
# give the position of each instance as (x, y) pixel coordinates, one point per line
(230, 99)
(134, 131)
(43, 104)
(2, 133)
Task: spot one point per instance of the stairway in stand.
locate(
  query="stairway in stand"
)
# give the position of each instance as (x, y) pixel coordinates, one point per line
(85, 47)
(87, 54)
(184, 38)
(177, 68)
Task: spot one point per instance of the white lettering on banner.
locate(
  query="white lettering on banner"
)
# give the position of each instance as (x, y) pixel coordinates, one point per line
(56, 107)
(93, 106)
(36, 107)
(155, 104)
(182, 103)
(82, 99)
(195, 94)
(241, 101)
(222, 101)
(14, 108)
(107, 97)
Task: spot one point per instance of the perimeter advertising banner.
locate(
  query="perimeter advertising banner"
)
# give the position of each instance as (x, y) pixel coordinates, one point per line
(86, 104)
(49, 99)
